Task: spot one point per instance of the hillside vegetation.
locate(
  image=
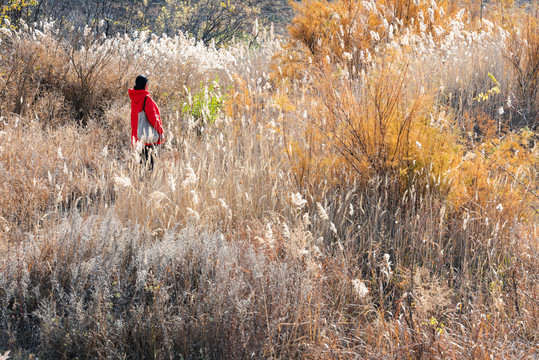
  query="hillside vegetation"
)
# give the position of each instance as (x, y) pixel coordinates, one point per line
(364, 187)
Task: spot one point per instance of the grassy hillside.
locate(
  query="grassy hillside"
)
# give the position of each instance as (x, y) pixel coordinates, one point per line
(364, 188)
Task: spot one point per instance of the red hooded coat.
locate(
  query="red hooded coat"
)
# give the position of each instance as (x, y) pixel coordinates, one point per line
(152, 112)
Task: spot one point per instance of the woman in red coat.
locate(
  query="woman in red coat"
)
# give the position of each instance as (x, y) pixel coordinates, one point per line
(137, 95)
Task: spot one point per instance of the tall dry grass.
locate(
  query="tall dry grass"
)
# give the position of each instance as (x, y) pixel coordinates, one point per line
(327, 215)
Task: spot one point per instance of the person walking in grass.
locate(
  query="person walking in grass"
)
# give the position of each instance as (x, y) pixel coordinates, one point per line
(141, 101)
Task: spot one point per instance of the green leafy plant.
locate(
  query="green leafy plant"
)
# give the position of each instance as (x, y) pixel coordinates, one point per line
(205, 105)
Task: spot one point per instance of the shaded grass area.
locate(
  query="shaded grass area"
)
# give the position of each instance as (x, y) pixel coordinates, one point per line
(334, 203)
(94, 287)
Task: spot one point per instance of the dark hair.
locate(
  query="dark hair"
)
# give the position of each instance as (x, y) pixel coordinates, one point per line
(140, 82)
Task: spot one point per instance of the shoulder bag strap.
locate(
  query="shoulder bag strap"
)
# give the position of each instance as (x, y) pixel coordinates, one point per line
(144, 104)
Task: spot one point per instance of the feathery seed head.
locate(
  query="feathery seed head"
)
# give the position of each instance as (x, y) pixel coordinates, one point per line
(322, 212)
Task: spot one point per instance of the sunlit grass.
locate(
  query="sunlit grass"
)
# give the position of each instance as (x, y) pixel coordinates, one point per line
(346, 203)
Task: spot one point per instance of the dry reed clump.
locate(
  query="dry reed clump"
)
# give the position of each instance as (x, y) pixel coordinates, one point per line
(432, 297)
(222, 180)
(430, 313)
(45, 172)
(259, 237)
(30, 68)
(523, 53)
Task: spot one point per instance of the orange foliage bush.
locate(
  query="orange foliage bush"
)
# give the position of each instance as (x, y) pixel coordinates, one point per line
(348, 33)
(499, 173)
(364, 116)
(376, 128)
